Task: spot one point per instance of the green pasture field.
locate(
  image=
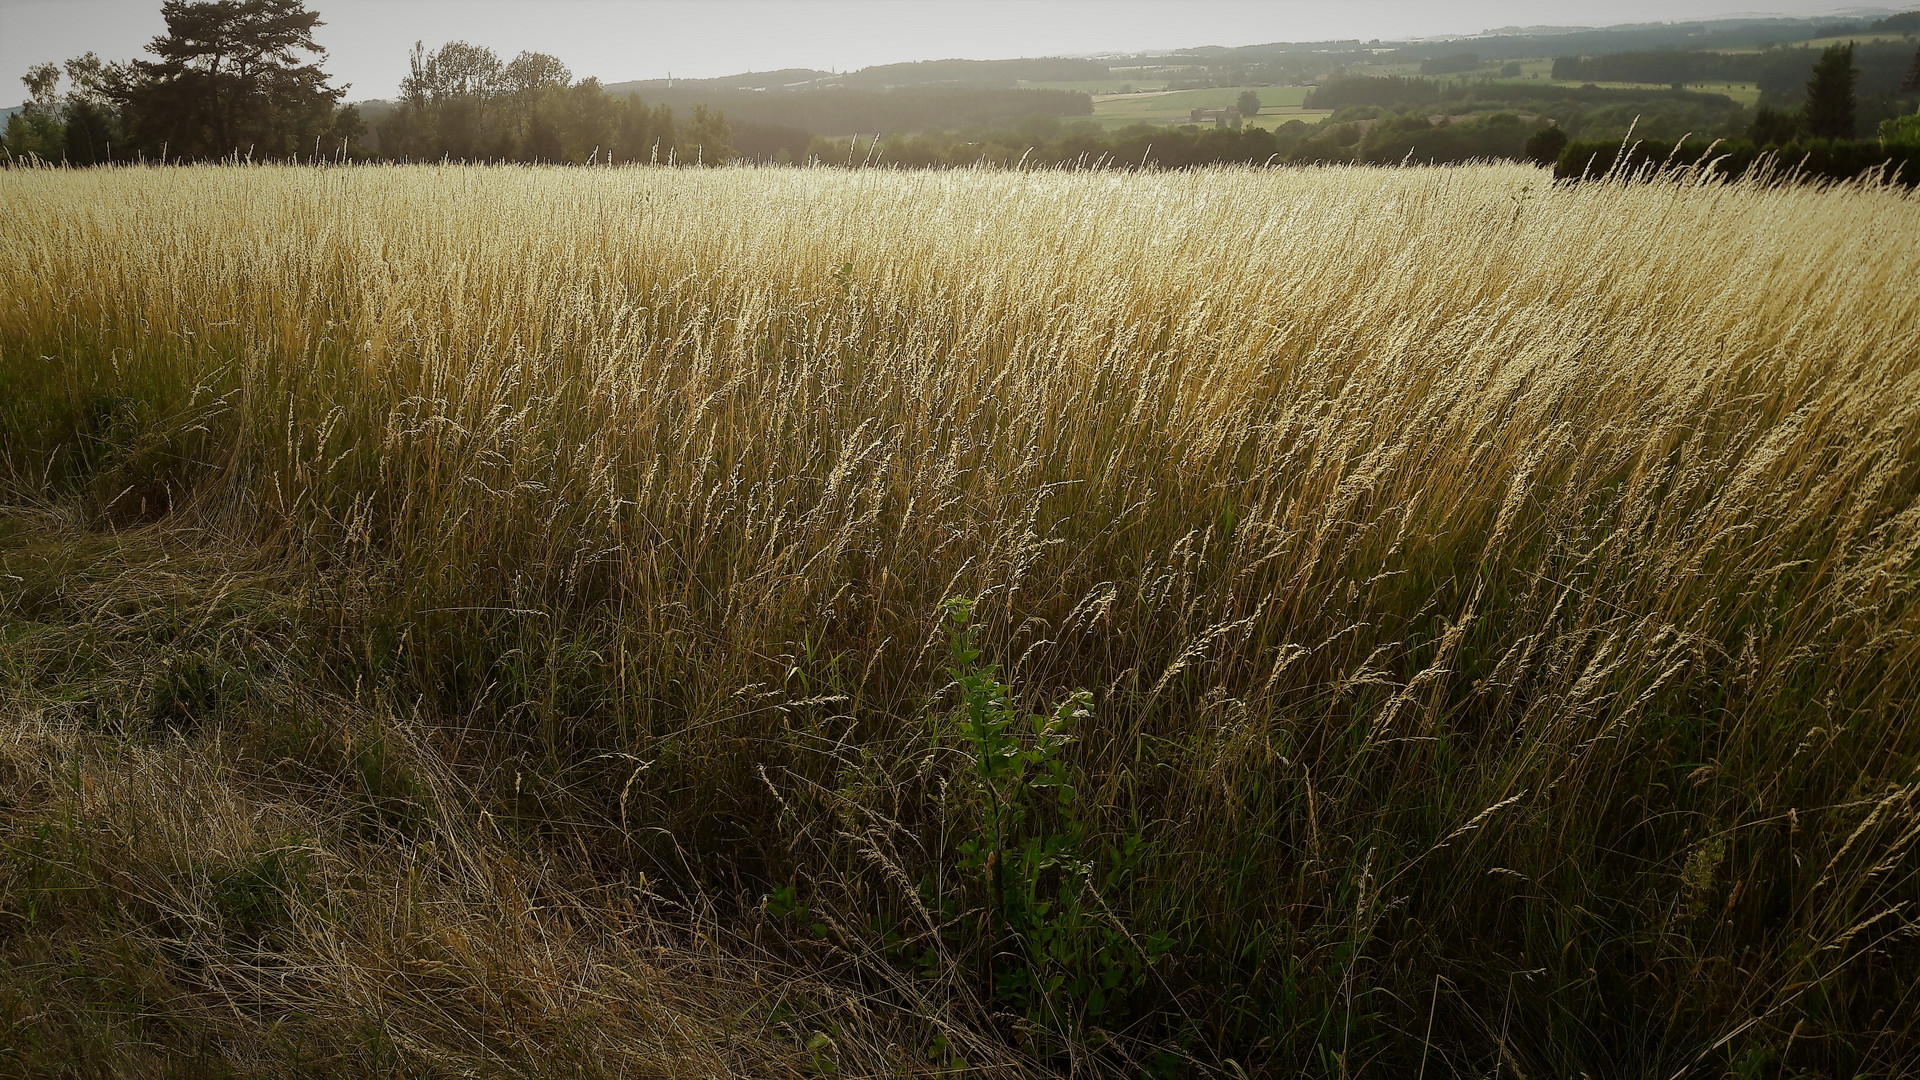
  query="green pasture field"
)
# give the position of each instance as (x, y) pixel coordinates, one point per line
(1268, 119)
(1857, 39)
(1177, 105)
(1278, 117)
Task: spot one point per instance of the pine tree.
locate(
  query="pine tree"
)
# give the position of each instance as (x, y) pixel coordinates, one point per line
(1829, 109)
(230, 79)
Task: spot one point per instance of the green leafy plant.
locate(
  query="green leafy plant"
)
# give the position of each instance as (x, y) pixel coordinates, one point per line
(1901, 130)
(1059, 953)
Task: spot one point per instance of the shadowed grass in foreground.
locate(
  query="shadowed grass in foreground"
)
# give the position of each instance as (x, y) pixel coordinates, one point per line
(215, 865)
(467, 613)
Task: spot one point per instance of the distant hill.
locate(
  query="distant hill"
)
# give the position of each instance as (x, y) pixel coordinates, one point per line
(1514, 43)
(838, 109)
(929, 95)
(752, 95)
(782, 111)
(785, 79)
(1002, 74)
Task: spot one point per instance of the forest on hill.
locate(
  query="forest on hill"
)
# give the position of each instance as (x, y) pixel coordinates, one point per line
(1416, 102)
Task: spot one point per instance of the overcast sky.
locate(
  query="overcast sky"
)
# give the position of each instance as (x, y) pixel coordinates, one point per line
(368, 40)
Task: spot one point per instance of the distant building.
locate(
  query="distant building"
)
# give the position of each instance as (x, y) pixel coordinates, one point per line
(1222, 115)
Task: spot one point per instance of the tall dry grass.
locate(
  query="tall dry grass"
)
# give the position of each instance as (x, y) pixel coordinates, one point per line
(1498, 597)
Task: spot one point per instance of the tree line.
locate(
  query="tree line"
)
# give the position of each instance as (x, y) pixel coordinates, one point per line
(228, 76)
(243, 79)
(1045, 142)
(1578, 110)
(843, 109)
(463, 102)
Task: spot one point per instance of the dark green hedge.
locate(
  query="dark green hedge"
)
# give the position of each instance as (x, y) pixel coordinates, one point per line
(1834, 159)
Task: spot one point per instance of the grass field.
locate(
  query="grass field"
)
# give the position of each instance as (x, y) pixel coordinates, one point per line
(1175, 105)
(1278, 104)
(793, 622)
(1857, 39)
(1268, 118)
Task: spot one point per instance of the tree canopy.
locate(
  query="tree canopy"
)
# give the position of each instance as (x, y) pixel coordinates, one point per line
(232, 76)
(461, 101)
(1830, 106)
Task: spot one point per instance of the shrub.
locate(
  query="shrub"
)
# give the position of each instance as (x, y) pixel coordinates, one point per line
(1544, 146)
(1902, 131)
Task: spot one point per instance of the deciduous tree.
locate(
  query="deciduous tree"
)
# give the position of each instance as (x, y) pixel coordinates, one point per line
(79, 127)
(449, 104)
(37, 129)
(707, 138)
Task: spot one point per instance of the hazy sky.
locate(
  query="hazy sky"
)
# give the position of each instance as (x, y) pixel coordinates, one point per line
(368, 40)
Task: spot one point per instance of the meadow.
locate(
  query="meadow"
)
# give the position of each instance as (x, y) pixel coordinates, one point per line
(793, 622)
(1279, 104)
